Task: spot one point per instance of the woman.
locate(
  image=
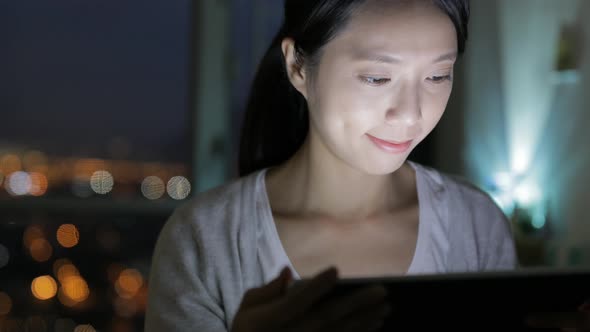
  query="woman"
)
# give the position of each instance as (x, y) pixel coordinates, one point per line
(347, 89)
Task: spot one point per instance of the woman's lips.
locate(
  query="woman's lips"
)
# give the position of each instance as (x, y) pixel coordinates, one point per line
(390, 146)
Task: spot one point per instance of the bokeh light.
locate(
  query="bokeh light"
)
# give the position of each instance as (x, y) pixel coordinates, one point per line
(84, 168)
(126, 171)
(152, 187)
(4, 256)
(40, 250)
(68, 235)
(64, 299)
(75, 288)
(38, 184)
(44, 287)
(18, 183)
(84, 328)
(65, 271)
(178, 187)
(527, 194)
(128, 283)
(141, 298)
(10, 163)
(102, 182)
(57, 265)
(5, 304)
(114, 271)
(125, 307)
(539, 218)
(33, 232)
(34, 161)
(120, 324)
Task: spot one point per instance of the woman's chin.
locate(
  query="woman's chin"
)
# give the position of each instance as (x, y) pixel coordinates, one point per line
(383, 167)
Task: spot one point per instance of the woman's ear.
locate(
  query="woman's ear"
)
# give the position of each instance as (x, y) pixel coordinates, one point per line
(295, 70)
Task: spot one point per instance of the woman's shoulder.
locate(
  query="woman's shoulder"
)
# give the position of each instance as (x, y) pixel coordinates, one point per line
(478, 231)
(216, 207)
(460, 191)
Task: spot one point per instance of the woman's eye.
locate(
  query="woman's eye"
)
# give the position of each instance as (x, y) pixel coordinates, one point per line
(440, 79)
(374, 80)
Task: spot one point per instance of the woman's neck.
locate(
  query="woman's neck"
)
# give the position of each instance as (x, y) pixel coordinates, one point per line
(315, 184)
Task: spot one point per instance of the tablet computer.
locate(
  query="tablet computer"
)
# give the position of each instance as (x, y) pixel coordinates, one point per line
(476, 301)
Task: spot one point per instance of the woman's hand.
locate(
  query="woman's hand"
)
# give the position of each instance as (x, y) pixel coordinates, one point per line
(568, 322)
(276, 308)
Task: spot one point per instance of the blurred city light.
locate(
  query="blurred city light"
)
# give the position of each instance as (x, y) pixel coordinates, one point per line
(152, 187)
(75, 288)
(178, 187)
(141, 298)
(125, 307)
(66, 271)
(35, 161)
(58, 264)
(40, 250)
(84, 168)
(44, 287)
(126, 171)
(33, 232)
(84, 328)
(102, 182)
(10, 163)
(527, 194)
(128, 283)
(120, 324)
(68, 235)
(5, 304)
(539, 218)
(114, 271)
(38, 184)
(18, 183)
(65, 300)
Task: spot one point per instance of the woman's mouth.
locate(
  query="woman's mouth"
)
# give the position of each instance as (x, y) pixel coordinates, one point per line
(391, 146)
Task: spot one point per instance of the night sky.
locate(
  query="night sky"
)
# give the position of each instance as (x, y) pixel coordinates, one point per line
(76, 74)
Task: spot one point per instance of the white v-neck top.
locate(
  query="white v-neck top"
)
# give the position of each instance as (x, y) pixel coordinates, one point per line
(274, 257)
(224, 241)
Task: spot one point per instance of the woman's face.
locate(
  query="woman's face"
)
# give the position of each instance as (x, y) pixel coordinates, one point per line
(383, 84)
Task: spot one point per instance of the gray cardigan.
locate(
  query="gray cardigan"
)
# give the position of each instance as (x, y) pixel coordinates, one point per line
(223, 242)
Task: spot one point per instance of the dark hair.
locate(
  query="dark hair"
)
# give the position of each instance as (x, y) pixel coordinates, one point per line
(276, 120)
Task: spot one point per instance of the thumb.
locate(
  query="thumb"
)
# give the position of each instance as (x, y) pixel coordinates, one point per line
(271, 291)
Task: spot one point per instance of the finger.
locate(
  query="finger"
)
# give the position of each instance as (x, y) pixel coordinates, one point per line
(580, 321)
(269, 292)
(366, 302)
(299, 301)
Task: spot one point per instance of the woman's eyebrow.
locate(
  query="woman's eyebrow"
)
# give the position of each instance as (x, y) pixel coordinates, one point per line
(393, 59)
(451, 56)
(365, 55)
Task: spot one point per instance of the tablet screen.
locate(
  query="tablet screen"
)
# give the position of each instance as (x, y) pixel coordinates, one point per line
(485, 301)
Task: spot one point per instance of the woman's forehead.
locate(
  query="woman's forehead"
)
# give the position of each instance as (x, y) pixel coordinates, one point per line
(399, 31)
